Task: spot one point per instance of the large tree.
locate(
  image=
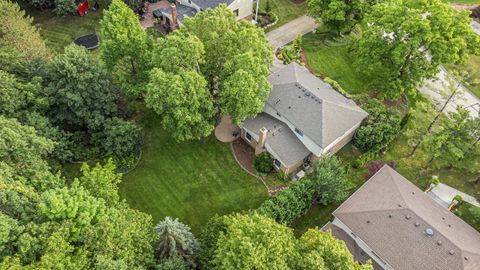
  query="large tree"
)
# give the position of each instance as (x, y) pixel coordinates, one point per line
(380, 128)
(176, 240)
(47, 223)
(330, 180)
(319, 250)
(451, 141)
(340, 16)
(17, 31)
(83, 103)
(253, 241)
(183, 102)
(125, 48)
(405, 41)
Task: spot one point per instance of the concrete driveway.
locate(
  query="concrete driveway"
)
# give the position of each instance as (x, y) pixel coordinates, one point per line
(465, 98)
(287, 32)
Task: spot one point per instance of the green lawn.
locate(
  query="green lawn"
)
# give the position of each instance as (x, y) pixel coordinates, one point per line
(286, 10)
(473, 69)
(464, 213)
(192, 180)
(334, 61)
(59, 32)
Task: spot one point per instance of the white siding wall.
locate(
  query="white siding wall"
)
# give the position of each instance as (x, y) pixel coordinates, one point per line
(244, 7)
(340, 138)
(362, 245)
(309, 143)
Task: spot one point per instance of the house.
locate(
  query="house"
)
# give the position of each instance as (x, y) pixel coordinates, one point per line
(302, 119)
(174, 16)
(396, 225)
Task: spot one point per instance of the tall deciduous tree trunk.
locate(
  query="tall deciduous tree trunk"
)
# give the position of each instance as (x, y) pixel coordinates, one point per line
(429, 129)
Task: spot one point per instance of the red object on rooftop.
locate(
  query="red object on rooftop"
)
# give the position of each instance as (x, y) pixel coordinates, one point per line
(82, 8)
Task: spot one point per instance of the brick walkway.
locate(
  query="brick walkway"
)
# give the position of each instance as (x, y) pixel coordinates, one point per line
(245, 154)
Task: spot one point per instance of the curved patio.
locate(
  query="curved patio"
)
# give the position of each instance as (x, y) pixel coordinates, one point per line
(226, 131)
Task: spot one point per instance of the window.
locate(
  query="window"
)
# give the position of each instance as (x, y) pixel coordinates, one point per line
(248, 137)
(298, 131)
(277, 164)
(236, 12)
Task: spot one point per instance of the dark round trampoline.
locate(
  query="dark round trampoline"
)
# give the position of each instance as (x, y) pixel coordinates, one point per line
(89, 41)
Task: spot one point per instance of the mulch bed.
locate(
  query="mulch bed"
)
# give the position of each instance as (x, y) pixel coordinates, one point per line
(244, 153)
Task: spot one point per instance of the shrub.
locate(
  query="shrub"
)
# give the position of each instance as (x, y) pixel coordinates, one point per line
(329, 179)
(458, 198)
(435, 181)
(263, 163)
(380, 128)
(364, 159)
(63, 7)
(282, 176)
(289, 203)
(335, 85)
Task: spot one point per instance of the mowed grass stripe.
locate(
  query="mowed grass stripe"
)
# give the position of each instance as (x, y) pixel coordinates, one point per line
(190, 180)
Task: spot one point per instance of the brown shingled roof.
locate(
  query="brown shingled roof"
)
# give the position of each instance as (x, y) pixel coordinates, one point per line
(390, 214)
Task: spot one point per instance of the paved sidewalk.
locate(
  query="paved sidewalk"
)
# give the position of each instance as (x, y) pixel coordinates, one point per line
(287, 32)
(466, 98)
(446, 193)
(476, 27)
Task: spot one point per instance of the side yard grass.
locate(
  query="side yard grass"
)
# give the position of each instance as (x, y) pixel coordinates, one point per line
(473, 69)
(463, 211)
(286, 10)
(59, 32)
(334, 61)
(191, 181)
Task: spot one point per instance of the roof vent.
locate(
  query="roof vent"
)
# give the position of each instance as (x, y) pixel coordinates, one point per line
(429, 232)
(289, 107)
(299, 96)
(449, 225)
(443, 218)
(465, 258)
(417, 224)
(439, 242)
(307, 94)
(399, 205)
(413, 193)
(451, 252)
(389, 216)
(368, 221)
(408, 217)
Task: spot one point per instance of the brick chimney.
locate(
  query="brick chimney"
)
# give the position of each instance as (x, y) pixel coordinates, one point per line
(174, 25)
(261, 141)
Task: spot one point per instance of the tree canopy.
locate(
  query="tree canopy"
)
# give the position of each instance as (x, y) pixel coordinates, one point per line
(330, 180)
(212, 61)
(17, 32)
(254, 241)
(405, 41)
(380, 128)
(125, 48)
(339, 16)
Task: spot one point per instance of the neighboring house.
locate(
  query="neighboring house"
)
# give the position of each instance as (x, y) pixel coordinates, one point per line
(174, 16)
(396, 225)
(302, 119)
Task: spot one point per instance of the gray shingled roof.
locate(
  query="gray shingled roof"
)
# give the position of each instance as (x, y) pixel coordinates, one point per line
(280, 139)
(312, 105)
(204, 4)
(390, 215)
(182, 12)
